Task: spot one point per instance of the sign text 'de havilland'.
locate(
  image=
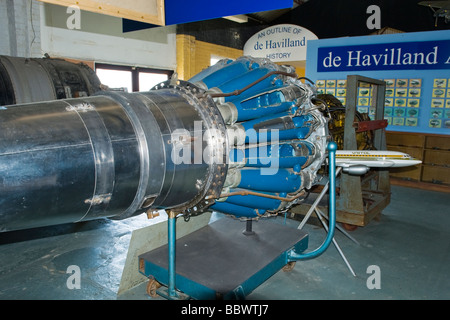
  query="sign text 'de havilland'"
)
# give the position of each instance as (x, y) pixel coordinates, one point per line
(385, 56)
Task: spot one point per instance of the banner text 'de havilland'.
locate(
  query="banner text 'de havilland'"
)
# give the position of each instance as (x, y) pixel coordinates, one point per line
(385, 56)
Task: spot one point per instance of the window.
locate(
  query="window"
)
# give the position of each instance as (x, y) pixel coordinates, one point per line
(115, 79)
(148, 80)
(130, 79)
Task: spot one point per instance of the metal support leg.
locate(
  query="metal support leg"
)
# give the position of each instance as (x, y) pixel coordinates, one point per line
(172, 253)
(316, 203)
(248, 228)
(321, 217)
(170, 291)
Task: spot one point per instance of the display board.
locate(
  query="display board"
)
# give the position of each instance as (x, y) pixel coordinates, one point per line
(415, 67)
(279, 43)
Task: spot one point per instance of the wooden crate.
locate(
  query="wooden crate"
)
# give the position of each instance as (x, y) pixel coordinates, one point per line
(432, 149)
(436, 174)
(436, 157)
(410, 173)
(405, 139)
(438, 142)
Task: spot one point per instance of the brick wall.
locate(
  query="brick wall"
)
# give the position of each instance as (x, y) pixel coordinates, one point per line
(193, 56)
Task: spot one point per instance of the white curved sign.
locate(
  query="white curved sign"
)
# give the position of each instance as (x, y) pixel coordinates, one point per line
(283, 42)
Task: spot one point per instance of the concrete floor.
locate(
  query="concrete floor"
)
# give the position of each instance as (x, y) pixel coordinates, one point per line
(409, 244)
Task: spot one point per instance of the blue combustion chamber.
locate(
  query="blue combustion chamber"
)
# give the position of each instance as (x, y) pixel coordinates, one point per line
(277, 135)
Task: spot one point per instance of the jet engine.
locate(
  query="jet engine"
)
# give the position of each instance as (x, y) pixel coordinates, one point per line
(242, 137)
(24, 80)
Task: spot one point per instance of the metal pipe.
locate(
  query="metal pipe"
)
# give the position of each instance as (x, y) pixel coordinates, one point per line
(292, 255)
(237, 211)
(171, 222)
(238, 92)
(260, 194)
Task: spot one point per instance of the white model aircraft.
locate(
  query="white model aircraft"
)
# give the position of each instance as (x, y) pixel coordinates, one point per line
(443, 9)
(360, 161)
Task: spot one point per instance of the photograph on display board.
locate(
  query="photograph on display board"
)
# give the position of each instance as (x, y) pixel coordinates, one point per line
(402, 98)
(440, 104)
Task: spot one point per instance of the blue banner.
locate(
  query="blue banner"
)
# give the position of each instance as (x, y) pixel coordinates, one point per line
(180, 11)
(385, 56)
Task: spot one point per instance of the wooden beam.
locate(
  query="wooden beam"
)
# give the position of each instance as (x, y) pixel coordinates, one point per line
(149, 11)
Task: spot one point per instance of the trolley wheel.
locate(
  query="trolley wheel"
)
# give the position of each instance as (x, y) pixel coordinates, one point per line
(349, 227)
(289, 266)
(152, 286)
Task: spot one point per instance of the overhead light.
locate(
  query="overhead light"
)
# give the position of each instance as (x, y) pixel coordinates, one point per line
(240, 18)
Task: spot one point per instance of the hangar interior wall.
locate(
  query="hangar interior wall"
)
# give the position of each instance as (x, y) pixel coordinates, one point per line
(32, 28)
